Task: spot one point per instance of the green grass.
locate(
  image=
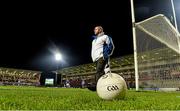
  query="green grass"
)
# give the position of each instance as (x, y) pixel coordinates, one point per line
(35, 98)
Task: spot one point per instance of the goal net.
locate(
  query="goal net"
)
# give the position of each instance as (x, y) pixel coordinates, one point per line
(158, 53)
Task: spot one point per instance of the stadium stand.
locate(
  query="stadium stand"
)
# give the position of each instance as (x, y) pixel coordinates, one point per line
(125, 67)
(10, 76)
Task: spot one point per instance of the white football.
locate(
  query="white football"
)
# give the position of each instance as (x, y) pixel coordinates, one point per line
(111, 86)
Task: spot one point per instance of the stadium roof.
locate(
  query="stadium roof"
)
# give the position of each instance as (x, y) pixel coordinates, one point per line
(13, 71)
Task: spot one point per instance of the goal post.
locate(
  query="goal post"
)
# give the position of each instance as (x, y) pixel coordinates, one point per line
(134, 45)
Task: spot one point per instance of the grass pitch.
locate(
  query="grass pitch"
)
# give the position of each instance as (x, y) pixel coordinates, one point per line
(36, 98)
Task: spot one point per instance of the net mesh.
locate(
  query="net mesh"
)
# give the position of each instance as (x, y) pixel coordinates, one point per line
(158, 53)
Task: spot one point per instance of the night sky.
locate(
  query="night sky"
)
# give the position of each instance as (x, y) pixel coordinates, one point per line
(31, 31)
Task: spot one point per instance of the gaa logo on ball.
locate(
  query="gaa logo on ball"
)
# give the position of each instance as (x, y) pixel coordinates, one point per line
(111, 86)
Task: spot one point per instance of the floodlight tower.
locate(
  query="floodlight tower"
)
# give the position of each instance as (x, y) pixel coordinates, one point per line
(58, 58)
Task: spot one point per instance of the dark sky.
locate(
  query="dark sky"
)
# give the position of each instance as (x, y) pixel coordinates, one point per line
(30, 31)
